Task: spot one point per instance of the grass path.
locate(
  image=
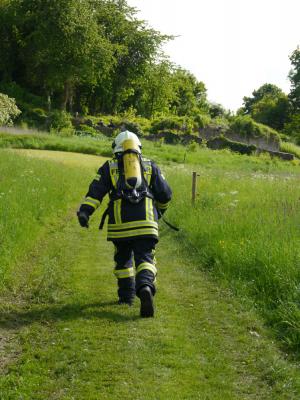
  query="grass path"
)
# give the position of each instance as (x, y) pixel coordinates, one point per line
(72, 341)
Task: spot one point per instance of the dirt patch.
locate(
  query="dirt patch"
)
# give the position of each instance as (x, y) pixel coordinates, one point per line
(9, 349)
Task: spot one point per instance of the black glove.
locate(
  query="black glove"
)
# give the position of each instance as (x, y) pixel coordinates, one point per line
(83, 219)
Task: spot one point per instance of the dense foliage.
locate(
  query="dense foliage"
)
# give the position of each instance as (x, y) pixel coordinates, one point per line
(92, 56)
(64, 59)
(8, 109)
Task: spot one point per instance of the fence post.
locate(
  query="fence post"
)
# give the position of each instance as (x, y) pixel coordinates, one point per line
(194, 187)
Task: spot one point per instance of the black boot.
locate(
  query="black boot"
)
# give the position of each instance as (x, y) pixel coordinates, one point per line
(126, 291)
(129, 301)
(147, 306)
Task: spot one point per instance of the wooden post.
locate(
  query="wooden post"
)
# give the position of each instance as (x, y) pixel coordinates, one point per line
(194, 187)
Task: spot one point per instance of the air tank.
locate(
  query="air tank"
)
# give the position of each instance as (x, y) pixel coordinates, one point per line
(132, 166)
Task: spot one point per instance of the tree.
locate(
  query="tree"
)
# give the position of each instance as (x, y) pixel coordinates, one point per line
(136, 47)
(294, 76)
(155, 92)
(292, 127)
(271, 111)
(268, 105)
(62, 45)
(8, 110)
(190, 93)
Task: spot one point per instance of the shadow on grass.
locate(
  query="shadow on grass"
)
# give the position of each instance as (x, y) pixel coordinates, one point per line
(49, 314)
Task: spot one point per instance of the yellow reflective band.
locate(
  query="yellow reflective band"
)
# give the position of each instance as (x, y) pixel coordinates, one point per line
(124, 273)
(149, 209)
(97, 177)
(162, 206)
(147, 266)
(117, 211)
(90, 201)
(133, 224)
(93, 200)
(113, 170)
(136, 232)
(90, 204)
(148, 169)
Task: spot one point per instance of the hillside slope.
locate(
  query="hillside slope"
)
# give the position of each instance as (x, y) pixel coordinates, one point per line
(66, 338)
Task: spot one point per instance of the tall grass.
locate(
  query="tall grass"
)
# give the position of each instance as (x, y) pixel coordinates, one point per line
(290, 148)
(191, 154)
(33, 194)
(54, 142)
(245, 228)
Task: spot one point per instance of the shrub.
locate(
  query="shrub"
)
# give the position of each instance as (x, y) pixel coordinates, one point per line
(292, 128)
(221, 123)
(201, 120)
(131, 126)
(290, 148)
(85, 130)
(24, 99)
(67, 132)
(60, 120)
(8, 110)
(247, 127)
(35, 117)
(172, 124)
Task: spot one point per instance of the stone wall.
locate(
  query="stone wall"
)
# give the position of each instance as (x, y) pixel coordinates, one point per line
(260, 142)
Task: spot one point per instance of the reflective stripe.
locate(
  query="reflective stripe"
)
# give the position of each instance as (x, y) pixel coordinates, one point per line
(149, 209)
(147, 266)
(133, 224)
(162, 206)
(113, 170)
(97, 177)
(132, 233)
(117, 211)
(124, 273)
(90, 201)
(147, 169)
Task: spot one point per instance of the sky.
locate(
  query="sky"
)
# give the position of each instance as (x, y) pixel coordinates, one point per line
(233, 46)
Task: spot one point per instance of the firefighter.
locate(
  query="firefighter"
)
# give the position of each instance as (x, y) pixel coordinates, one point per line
(139, 195)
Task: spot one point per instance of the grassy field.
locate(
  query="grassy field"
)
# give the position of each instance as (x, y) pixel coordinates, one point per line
(32, 196)
(244, 228)
(192, 154)
(64, 337)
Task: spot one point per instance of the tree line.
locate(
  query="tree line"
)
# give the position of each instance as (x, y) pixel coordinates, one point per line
(270, 106)
(92, 56)
(96, 57)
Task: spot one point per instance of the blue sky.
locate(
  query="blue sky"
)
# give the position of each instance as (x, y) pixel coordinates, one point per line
(233, 46)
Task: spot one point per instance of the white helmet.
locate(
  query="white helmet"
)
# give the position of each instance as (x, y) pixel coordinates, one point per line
(118, 142)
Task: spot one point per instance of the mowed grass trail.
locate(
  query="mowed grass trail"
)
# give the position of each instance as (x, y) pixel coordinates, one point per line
(73, 341)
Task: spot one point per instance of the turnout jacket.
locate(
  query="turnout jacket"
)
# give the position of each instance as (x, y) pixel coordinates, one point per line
(128, 220)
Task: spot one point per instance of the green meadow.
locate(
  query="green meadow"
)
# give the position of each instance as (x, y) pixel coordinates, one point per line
(228, 294)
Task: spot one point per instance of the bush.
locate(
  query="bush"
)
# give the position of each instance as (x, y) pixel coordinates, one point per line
(172, 124)
(35, 117)
(85, 130)
(24, 99)
(292, 128)
(60, 120)
(247, 127)
(131, 126)
(8, 110)
(220, 122)
(291, 148)
(201, 120)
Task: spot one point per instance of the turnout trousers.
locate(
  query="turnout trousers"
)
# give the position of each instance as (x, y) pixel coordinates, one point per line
(130, 280)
